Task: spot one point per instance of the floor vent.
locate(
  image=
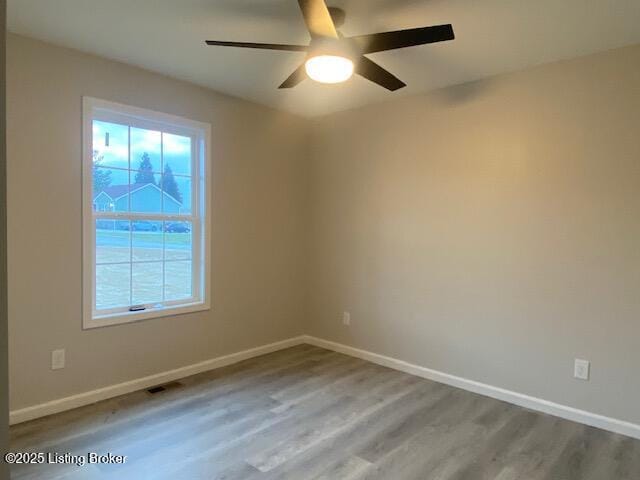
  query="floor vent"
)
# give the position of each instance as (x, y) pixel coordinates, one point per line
(164, 387)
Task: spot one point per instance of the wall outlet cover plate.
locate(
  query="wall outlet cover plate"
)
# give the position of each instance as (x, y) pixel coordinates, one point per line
(581, 369)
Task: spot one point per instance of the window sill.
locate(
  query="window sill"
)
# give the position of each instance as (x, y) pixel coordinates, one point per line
(130, 317)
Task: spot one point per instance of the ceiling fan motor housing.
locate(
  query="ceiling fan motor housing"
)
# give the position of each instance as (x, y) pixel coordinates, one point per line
(337, 15)
(329, 46)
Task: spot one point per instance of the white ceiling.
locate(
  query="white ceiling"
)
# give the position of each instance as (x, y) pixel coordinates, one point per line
(167, 36)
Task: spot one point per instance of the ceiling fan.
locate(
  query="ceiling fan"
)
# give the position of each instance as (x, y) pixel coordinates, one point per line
(333, 58)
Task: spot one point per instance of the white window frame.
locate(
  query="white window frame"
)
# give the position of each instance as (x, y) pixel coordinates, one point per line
(93, 108)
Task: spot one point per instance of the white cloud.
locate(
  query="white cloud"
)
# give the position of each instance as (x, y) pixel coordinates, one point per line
(117, 153)
(176, 145)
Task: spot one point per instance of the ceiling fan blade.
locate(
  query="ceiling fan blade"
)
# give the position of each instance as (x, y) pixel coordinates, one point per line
(295, 78)
(318, 19)
(262, 46)
(379, 42)
(375, 73)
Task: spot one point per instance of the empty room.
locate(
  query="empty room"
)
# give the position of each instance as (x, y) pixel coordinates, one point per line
(320, 239)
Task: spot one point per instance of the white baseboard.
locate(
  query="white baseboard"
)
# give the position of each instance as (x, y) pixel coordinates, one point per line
(93, 396)
(538, 404)
(545, 406)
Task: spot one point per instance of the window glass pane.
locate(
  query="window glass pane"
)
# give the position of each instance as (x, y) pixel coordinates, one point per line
(145, 196)
(110, 189)
(110, 145)
(177, 154)
(145, 152)
(146, 240)
(143, 199)
(177, 278)
(123, 225)
(177, 238)
(177, 194)
(112, 286)
(112, 241)
(147, 283)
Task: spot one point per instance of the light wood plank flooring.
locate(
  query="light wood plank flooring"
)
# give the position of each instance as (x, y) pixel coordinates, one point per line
(308, 413)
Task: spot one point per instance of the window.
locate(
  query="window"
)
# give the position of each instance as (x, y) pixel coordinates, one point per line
(145, 214)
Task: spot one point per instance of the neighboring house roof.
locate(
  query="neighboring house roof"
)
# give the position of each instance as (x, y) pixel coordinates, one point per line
(102, 194)
(118, 191)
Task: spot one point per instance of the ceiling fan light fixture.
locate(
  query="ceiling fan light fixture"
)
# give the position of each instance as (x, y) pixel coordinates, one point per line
(331, 55)
(329, 68)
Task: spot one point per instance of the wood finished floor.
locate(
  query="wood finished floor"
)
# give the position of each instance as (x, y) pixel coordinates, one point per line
(308, 413)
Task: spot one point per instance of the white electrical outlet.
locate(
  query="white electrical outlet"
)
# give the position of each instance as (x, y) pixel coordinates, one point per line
(581, 369)
(57, 359)
(346, 319)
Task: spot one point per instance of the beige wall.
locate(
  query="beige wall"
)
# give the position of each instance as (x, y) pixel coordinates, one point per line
(490, 231)
(258, 226)
(4, 344)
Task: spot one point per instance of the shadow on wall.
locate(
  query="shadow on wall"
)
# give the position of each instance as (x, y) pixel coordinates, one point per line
(461, 94)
